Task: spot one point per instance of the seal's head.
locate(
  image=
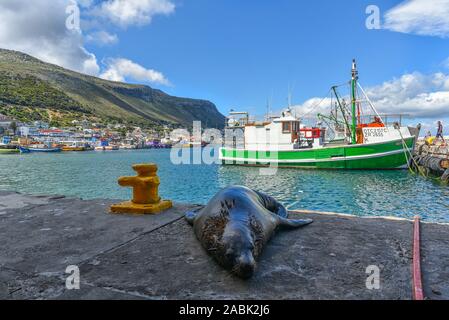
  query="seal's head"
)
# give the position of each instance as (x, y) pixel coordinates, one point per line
(234, 238)
(237, 245)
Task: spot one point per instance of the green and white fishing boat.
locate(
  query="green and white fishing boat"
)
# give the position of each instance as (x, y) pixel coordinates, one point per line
(8, 149)
(348, 142)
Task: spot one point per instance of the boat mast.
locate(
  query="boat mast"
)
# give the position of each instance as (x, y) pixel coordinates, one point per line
(353, 97)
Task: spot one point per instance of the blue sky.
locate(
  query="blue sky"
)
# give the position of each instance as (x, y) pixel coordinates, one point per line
(238, 54)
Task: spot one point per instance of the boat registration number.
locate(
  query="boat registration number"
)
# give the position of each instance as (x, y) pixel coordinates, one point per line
(371, 135)
(374, 132)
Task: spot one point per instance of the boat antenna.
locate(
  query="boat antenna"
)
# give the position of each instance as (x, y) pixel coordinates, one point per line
(289, 100)
(268, 109)
(269, 102)
(354, 78)
(294, 112)
(289, 97)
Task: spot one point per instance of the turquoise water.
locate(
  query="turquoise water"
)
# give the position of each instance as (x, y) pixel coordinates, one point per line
(94, 175)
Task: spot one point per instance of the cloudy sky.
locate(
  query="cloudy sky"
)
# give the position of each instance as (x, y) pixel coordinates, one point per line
(239, 54)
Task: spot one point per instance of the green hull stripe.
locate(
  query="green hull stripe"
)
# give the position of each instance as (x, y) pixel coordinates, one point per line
(382, 155)
(275, 160)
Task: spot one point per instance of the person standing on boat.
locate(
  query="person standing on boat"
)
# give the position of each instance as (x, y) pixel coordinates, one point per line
(440, 131)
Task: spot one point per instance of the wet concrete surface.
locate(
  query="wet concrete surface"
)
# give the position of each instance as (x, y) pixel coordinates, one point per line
(158, 256)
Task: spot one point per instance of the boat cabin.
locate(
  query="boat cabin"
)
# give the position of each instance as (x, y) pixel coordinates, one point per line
(280, 133)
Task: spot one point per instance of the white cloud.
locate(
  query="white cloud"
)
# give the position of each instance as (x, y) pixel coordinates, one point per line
(133, 12)
(102, 38)
(39, 29)
(424, 96)
(121, 69)
(422, 17)
(313, 106)
(415, 93)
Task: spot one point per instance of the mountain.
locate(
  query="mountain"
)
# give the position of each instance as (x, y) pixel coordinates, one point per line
(31, 89)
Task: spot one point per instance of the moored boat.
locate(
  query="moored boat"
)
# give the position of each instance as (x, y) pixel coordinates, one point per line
(73, 148)
(157, 144)
(39, 148)
(8, 149)
(76, 146)
(106, 148)
(127, 147)
(355, 144)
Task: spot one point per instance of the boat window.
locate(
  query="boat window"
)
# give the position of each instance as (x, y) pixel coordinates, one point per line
(295, 126)
(286, 127)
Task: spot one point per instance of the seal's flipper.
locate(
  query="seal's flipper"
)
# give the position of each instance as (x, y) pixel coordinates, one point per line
(273, 205)
(281, 211)
(293, 223)
(191, 215)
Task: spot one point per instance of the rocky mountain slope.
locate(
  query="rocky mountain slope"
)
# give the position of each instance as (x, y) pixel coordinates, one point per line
(33, 90)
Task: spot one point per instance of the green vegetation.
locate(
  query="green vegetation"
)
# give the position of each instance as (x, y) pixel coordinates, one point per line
(24, 114)
(33, 90)
(30, 114)
(13, 126)
(27, 90)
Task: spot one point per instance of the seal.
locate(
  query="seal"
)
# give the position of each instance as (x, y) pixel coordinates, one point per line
(236, 224)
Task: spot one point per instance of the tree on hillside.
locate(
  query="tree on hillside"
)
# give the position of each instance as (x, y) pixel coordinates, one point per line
(13, 127)
(123, 132)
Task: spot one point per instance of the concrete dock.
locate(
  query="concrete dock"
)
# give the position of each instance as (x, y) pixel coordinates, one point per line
(158, 256)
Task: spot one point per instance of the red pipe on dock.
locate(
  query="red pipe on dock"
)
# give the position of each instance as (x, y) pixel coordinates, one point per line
(417, 281)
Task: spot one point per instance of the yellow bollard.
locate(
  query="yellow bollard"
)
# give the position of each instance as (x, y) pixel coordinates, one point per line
(145, 186)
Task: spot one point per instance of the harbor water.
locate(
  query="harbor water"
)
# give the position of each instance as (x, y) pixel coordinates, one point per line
(90, 175)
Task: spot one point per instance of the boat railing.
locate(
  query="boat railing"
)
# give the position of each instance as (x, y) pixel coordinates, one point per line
(387, 119)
